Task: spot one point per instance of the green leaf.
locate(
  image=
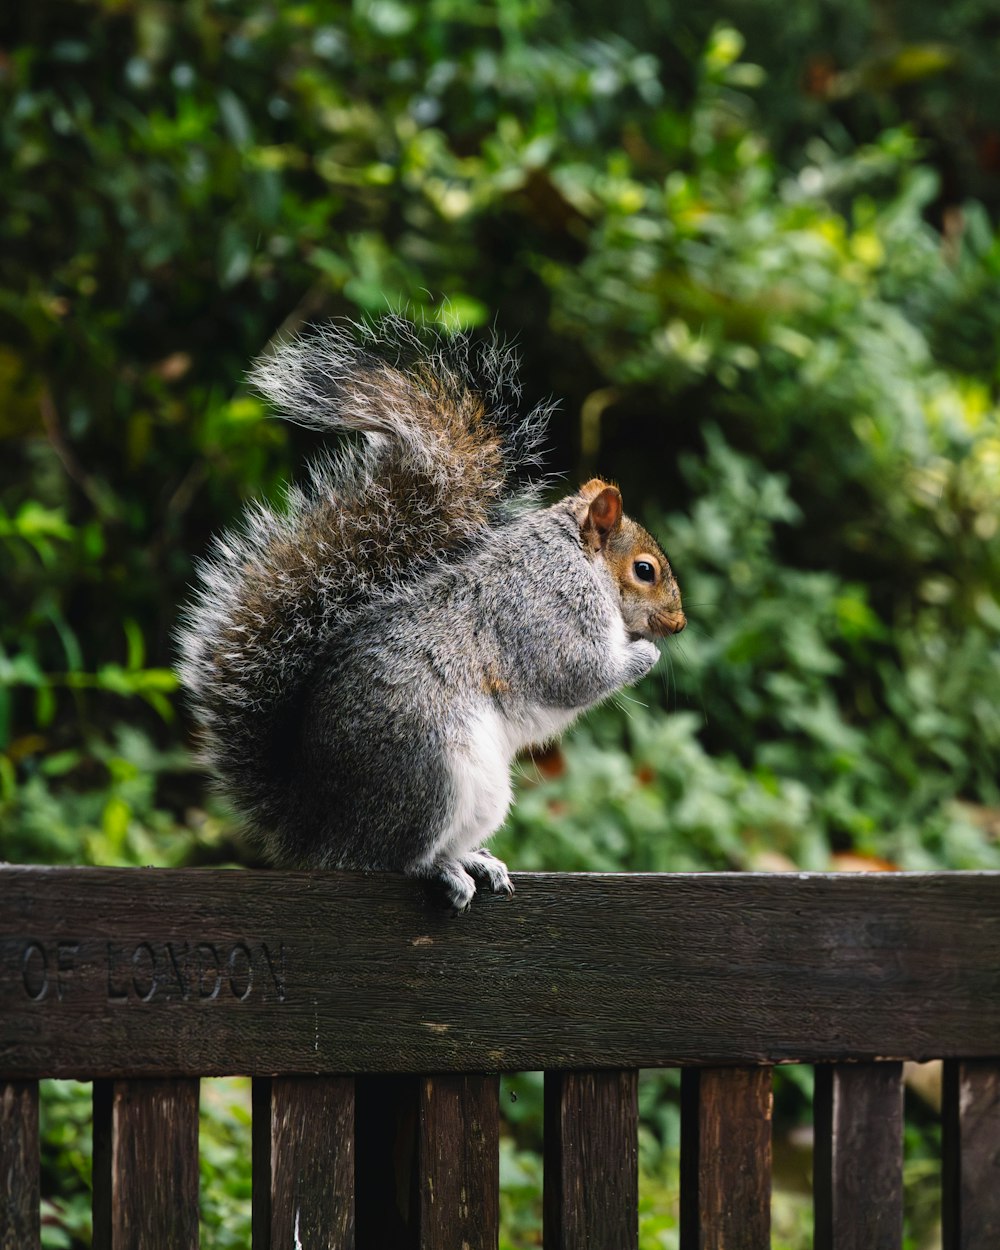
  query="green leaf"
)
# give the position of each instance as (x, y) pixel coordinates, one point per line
(135, 642)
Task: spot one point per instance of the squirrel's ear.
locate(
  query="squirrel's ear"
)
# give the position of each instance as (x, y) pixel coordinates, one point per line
(603, 516)
(591, 489)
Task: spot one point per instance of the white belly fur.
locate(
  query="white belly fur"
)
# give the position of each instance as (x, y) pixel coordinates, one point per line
(480, 773)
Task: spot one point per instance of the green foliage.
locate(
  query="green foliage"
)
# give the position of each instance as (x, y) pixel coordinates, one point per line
(66, 1151)
(224, 1151)
(760, 264)
(836, 523)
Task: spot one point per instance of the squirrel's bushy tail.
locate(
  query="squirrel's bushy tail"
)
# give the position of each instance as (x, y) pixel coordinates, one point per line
(442, 449)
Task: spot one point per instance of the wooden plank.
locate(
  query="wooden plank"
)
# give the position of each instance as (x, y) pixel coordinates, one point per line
(858, 1161)
(428, 1152)
(19, 1172)
(303, 1163)
(146, 1164)
(726, 1159)
(591, 1171)
(160, 972)
(386, 1193)
(458, 1153)
(971, 1154)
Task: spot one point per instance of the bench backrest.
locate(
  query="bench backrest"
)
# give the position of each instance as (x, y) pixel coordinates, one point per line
(374, 1025)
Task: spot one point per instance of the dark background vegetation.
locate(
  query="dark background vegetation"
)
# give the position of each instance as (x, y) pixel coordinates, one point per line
(753, 248)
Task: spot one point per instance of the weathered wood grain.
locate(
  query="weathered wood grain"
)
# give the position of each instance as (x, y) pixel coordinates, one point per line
(146, 1164)
(144, 972)
(726, 1159)
(591, 1174)
(19, 1176)
(971, 1155)
(428, 1162)
(303, 1163)
(858, 1161)
(458, 1153)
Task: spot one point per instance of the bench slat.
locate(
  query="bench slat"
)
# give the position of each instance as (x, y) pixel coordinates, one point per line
(971, 1154)
(303, 1163)
(459, 1162)
(131, 972)
(19, 1172)
(858, 1161)
(591, 1175)
(146, 1164)
(726, 1158)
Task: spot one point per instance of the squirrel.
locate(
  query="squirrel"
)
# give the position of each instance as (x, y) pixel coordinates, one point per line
(364, 664)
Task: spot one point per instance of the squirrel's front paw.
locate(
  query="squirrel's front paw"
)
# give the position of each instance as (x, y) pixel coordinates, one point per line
(459, 887)
(642, 655)
(484, 866)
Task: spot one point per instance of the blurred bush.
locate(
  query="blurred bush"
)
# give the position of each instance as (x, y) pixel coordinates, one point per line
(776, 325)
(753, 248)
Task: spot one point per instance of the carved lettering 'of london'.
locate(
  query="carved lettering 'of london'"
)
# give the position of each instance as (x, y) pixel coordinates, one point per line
(152, 971)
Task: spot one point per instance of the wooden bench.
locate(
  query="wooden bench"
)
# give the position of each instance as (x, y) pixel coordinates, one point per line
(374, 1026)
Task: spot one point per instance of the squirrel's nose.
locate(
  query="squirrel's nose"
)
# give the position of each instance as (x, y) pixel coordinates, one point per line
(669, 622)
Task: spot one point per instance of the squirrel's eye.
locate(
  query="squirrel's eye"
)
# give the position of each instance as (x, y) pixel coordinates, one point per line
(644, 571)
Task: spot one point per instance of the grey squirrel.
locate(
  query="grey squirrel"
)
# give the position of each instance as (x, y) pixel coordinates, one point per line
(365, 664)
